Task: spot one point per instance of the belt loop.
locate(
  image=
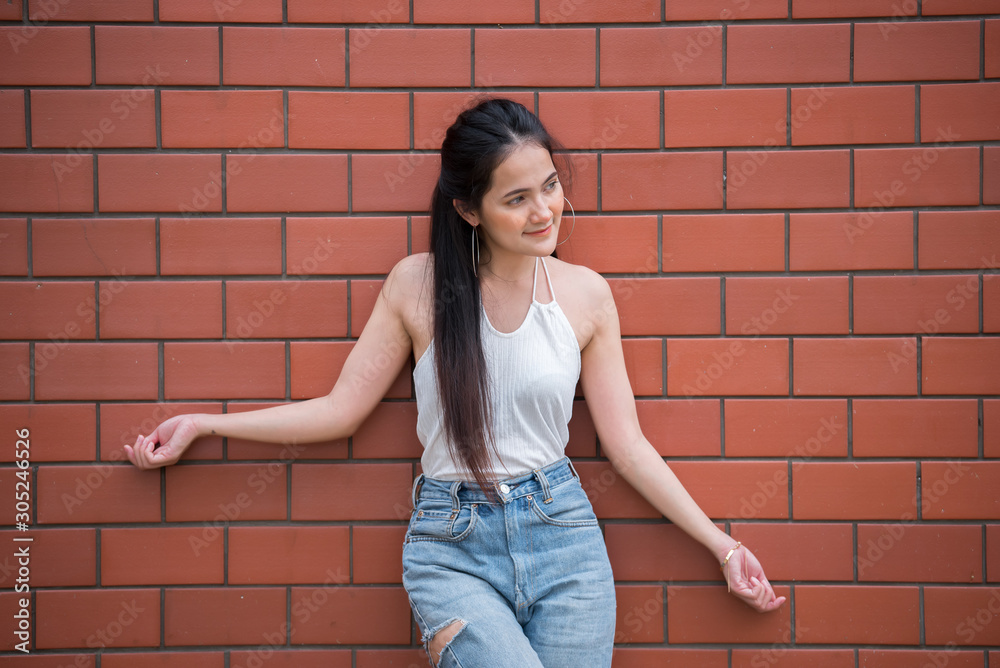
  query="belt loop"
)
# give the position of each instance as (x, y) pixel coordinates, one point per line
(572, 468)
(455, 505)
(415, 493)
(545, 485)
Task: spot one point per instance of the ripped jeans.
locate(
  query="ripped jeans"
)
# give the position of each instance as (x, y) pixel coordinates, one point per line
(529, 578)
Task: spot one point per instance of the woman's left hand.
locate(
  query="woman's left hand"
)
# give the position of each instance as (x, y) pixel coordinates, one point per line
(747, 581)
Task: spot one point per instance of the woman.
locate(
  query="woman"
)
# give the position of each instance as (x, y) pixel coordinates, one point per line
(504, 562)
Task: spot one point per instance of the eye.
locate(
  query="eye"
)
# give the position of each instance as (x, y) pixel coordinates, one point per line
(516, 200)
(551, 185)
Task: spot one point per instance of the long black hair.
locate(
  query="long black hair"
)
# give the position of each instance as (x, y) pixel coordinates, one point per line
(480, 139)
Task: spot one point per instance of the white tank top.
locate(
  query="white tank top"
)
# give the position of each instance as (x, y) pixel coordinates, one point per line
(533, 375)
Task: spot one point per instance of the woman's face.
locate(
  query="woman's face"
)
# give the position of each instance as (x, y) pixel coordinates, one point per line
(521, 211)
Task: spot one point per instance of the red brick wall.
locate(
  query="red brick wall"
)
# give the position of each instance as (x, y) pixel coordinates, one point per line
(796, 202)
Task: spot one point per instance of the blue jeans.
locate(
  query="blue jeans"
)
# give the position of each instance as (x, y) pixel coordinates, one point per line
(529, 577)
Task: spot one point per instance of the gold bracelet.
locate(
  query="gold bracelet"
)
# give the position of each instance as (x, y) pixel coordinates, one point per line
(726, 561)
(729, 556)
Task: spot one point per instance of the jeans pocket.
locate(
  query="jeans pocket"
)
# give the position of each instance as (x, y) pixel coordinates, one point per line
(438, 521)
(569, 507)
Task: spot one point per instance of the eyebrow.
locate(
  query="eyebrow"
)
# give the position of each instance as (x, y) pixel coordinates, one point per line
(518, 190)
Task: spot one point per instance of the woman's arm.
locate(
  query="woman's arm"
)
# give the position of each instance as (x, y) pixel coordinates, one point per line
(612, 406)
(372, 366)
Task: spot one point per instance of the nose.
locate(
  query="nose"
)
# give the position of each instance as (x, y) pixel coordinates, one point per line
(540, 211)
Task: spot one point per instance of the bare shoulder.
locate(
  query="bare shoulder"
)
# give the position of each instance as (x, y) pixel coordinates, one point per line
(409, 292)
(579, 282)
(411, 278)
(584, 296)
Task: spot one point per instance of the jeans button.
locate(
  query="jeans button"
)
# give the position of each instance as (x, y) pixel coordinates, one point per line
(504, 488)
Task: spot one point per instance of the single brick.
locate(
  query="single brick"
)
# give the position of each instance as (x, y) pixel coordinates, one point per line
(157, 55)
(280, 56)
(119, 247)
(714, 367)
(847, 366)
(791, 53)
(848, 115)
(850, 241)
(661, 56)
(917, 50)
(854, 491)
(638, 181)
(246, 119)
(529, 57)
(411, 58)
(718, 242)
(57, 183)
(915, 428)
(46, 56)
(348, 120)
(602, 119)
(726, 117)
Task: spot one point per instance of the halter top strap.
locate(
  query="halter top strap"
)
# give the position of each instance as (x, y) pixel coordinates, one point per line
(548, 280)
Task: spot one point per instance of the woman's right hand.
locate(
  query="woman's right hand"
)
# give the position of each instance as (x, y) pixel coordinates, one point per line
(165, 445)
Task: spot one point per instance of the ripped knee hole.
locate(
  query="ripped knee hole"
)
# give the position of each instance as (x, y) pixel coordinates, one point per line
(442, 639)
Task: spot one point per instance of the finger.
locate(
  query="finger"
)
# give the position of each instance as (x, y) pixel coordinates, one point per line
(161, 457)
(763, 596)
(768, 592)
(766, 587)
(144, 452)
(135, 452)
(773, 605)
(771, 602)
(759, 592)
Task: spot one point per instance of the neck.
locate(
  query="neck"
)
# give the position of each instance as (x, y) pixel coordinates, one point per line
(508, 268)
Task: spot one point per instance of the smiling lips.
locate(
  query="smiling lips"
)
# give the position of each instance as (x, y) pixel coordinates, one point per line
(541, 232)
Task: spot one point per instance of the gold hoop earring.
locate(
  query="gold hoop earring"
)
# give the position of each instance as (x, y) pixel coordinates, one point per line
(573, 211)
(475, 252)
